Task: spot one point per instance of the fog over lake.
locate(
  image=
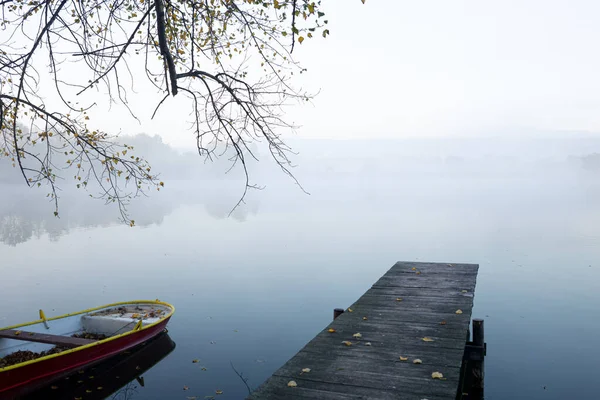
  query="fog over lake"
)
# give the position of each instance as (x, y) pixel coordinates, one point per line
(252, 287)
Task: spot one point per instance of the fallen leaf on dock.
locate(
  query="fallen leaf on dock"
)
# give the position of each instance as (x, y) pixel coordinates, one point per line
(443, 323)
(331, 330)
(417, 361)
(464, 291)
(350, 310)
(347, 343)
(368, 344)
(426, 339)
(414, 269)
(458, 311)
(450, 265)
(99, 388)
(357, 335)
(53, 387)
(17, 333)
(365, 318)
(398, 299)
(292, 384)
(305, 370)
(88, 391)
(403, 358)
(437, 375)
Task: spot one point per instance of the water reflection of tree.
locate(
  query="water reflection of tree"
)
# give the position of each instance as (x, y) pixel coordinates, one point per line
(22, 218)
(23, 215)
(128, 392)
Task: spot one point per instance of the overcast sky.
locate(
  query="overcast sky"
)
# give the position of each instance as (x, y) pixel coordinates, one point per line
(393, 69)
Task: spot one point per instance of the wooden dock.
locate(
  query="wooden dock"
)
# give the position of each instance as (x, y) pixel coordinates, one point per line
(391, 343)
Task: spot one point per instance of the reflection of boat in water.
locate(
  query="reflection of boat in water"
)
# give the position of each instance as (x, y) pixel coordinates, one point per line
(115, 374)
(37, 353)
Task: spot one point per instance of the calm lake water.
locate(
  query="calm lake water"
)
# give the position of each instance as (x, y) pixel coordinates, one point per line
(253, 288)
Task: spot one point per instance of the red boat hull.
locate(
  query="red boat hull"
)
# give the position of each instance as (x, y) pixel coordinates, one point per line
(16, 382)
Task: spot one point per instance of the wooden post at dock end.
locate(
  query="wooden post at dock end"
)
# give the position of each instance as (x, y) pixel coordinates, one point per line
(472, 370)
(477, 366)
(337, 312)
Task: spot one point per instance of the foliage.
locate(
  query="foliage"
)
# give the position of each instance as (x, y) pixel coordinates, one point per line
(231, 58)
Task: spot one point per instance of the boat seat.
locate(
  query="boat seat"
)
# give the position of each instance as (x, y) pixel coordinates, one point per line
(66, 341)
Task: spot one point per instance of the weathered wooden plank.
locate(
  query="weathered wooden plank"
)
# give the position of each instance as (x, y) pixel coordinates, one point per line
(397, 300)
(383, 314)
(453, 330)
(276, 388)
(66, 341)
(371, 367)
(417, 281)
(411, 305)
(389, 340)
(407, 266)
(321, 366)
(430, 292)
(429, 355)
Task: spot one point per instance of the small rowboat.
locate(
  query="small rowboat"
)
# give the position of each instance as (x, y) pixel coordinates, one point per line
(36, 353)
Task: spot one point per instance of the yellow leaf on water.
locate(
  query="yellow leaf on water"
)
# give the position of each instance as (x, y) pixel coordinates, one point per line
(331, 330)
(195, 361)
(186, 388)
(417, 361)
(437, 375)
(357, 335)
(418, 272)
(347, 343)
(426, 339)
(204, 369)
(292, 384)
(218, 391)
(17, 333)
(403, 358)
(306, 370)
(458, 311)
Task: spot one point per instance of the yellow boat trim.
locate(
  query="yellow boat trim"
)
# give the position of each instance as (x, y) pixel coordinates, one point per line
(91, 344)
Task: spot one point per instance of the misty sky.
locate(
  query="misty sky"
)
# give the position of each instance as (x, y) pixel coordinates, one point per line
(437, 68)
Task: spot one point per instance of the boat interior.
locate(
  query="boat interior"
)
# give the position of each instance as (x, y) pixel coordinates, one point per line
(79, 329)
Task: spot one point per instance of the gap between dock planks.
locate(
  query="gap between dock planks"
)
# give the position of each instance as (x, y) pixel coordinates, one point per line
(412, 301)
